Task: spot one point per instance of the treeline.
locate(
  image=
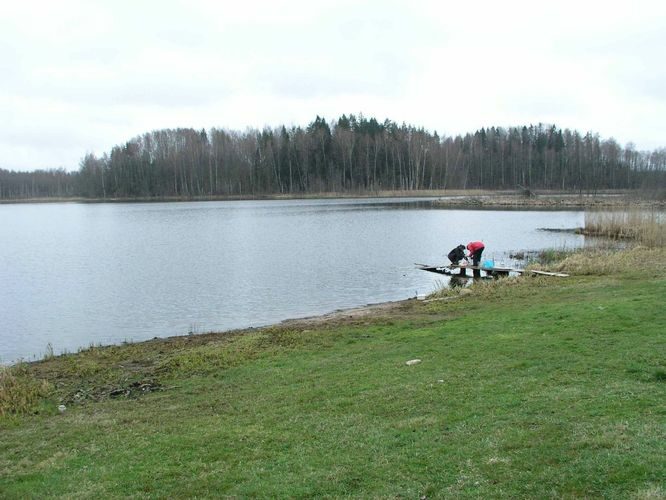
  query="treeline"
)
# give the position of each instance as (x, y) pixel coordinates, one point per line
(55, 183)
(357, 155)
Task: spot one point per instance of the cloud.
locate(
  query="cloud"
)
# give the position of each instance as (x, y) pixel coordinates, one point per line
(83, 76)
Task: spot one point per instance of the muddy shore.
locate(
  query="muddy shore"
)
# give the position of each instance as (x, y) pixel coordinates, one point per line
(550, 201)
(470, 198)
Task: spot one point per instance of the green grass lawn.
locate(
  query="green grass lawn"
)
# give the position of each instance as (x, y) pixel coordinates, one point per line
(527, 388)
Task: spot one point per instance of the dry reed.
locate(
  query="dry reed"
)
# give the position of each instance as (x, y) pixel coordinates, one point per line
(20, 392)
(601, 262)
(646, 228)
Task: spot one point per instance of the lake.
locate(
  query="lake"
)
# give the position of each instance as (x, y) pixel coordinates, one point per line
(74, 274)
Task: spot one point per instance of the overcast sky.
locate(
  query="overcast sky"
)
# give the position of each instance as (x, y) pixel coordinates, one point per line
(82, 76)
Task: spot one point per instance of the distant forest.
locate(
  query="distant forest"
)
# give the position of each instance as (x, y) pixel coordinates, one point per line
(352, 154)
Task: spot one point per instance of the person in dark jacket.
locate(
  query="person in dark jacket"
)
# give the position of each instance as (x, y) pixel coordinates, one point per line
(457, 254)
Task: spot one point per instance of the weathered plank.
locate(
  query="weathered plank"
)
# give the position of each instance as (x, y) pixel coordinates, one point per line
(543, 273)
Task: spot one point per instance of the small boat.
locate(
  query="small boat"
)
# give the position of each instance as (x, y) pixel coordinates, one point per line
(434, 269)
(452, 270)
(490, 271)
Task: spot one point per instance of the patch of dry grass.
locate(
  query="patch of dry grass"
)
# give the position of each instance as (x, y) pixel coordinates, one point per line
(646, 228)
(20, 392)
(600, 262)
(505, 287)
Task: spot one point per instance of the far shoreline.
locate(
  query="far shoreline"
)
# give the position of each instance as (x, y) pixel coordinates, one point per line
(446, 199)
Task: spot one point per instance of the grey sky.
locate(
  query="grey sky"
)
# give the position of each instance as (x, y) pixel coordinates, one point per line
(81, 76)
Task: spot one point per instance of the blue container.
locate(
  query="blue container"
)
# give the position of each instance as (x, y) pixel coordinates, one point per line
(488, 264)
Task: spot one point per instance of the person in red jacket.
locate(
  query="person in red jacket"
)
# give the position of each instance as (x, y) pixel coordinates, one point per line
(475, 250)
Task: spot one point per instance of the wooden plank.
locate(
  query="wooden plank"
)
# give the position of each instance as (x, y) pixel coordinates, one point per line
(546, 273)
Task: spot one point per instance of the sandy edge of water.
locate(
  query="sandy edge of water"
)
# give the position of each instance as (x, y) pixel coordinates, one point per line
(351, 314)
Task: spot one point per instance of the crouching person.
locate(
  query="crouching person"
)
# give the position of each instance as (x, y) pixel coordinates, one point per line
(475, 249)
(456, 255)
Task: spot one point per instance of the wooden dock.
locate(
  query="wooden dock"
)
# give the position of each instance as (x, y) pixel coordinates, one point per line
(490, 271)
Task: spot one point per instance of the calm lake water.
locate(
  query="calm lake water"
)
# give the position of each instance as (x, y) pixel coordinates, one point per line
(72, 275)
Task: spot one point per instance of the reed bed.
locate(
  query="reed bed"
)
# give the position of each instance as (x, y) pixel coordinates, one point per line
(604, 262)
(646, 228)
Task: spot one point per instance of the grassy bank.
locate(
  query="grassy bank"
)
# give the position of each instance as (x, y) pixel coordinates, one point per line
(528, 387)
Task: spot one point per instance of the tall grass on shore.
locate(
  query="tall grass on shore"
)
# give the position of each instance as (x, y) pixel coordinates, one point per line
(20, 391)
(604, 262)
(646, 228)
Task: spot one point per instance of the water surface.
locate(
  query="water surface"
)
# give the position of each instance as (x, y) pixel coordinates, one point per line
(73, 275)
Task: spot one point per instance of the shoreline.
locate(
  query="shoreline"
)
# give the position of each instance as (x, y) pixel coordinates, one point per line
(339, 316)
(333, 318)
(457, 198)
(549, 201)
(423, 193)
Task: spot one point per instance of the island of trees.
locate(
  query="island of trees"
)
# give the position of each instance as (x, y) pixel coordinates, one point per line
(352, 154)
